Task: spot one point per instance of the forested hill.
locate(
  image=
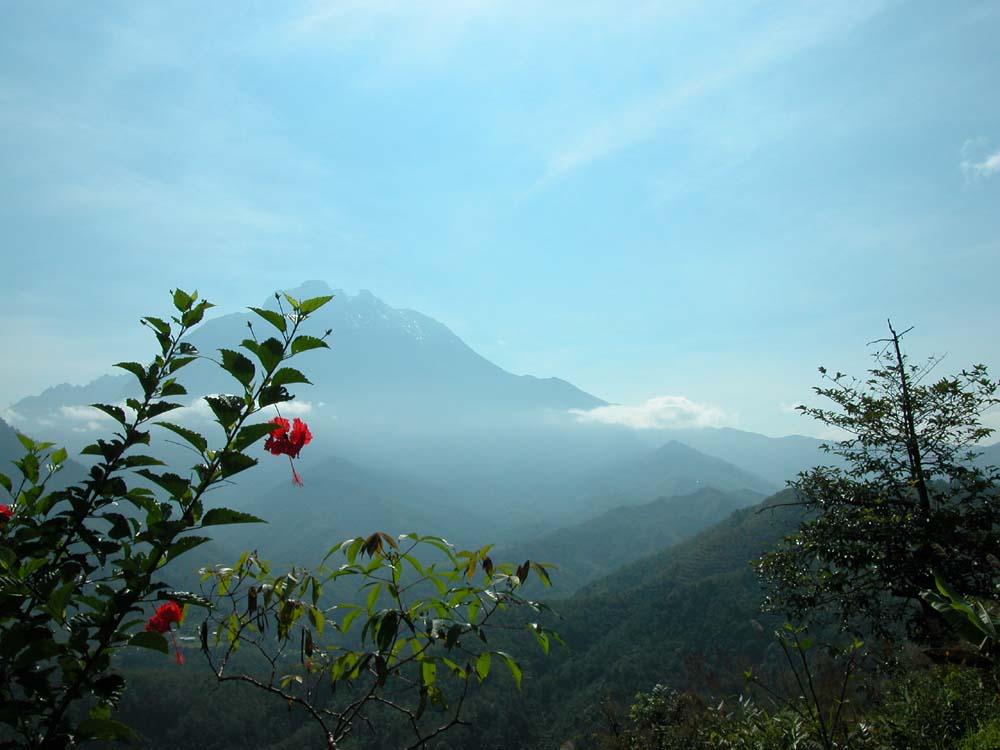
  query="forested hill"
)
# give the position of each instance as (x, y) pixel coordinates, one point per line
(687, 617)
(589, 550)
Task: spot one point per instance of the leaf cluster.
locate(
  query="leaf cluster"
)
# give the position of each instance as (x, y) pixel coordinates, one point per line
(413, 646)
(78, 564)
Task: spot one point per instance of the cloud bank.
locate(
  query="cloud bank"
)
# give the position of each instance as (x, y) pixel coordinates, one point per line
(657, 413)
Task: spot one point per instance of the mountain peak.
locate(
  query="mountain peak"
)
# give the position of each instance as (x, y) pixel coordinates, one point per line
(305, 290)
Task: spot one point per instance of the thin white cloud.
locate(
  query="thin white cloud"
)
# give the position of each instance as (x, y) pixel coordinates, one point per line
(775, 43)
(84, 418)
(662, 412)
(979, 161)
(200, 411)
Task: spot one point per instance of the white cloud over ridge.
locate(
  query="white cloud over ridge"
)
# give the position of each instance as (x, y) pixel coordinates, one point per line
(662, 412)
(200, 411)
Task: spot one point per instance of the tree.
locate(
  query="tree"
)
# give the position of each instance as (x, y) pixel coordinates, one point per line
(82, 565)
(908, 498)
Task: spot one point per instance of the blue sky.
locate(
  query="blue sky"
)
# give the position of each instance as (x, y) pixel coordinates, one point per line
(653, 200)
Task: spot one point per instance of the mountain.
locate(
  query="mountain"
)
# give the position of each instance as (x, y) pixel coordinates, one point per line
(386, 364)
(341, 499)
(594, 548)
(397, 390)
(687, 617)
(777, 460)
(672, 469)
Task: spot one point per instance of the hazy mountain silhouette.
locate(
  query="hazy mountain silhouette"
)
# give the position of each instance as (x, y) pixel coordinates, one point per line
(586, 551)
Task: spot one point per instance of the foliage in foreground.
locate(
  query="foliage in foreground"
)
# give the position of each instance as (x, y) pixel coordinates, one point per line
(80, 565)
(908, 499)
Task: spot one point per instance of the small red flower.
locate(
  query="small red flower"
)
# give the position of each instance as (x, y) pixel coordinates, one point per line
(281, 441)
(160, 622)
(165, 616)
(6, 512)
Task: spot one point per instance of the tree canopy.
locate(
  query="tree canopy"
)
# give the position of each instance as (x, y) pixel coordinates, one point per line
(909, 498)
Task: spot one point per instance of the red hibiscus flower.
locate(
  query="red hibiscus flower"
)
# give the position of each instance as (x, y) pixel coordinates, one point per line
(166, 615)
(288, 442)
(6, 513)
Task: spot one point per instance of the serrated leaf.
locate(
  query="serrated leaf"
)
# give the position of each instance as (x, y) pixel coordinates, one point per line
(115, 412)
(273, 394)
(184, 597)
(161, 326)
(172, 388)
(184, 544)
(250, 434)
(305, 343)
(233, 462)
(313, 304)
(269, 352)
(183, 300)
(220, 516)
(176, 485)
(287, 375)
(151, 640)
(226, 408)
(273, 317)
(137, 460)
(189, 436)
(161, 407)
(136, 369)
(238, 366)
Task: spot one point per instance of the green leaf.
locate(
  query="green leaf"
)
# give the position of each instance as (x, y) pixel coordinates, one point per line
(183, 300)
(177, 363)
(161, 326)
(227, 409)
(233, 462)
(58, 456)
(132, 462)
(172, 388)
(515, 669)
(105, 729)
(161, 407)
(176, 485)
(185, 544)
(193, 316)
(115, 412)
(238, 366)
(305, 343)
(483, 662)
(273, 317)
(6, 483)
(136, 369)
(190, 436)
(151, 640)
(220, 516)
(373, 597)
(313, 304)
(269, 351)
(250, 434)
(287, 375)
(273, 394)
(184, 597)
(428, 672)
(317, 619)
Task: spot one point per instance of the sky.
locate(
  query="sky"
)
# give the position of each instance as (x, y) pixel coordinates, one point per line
(683, 208)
